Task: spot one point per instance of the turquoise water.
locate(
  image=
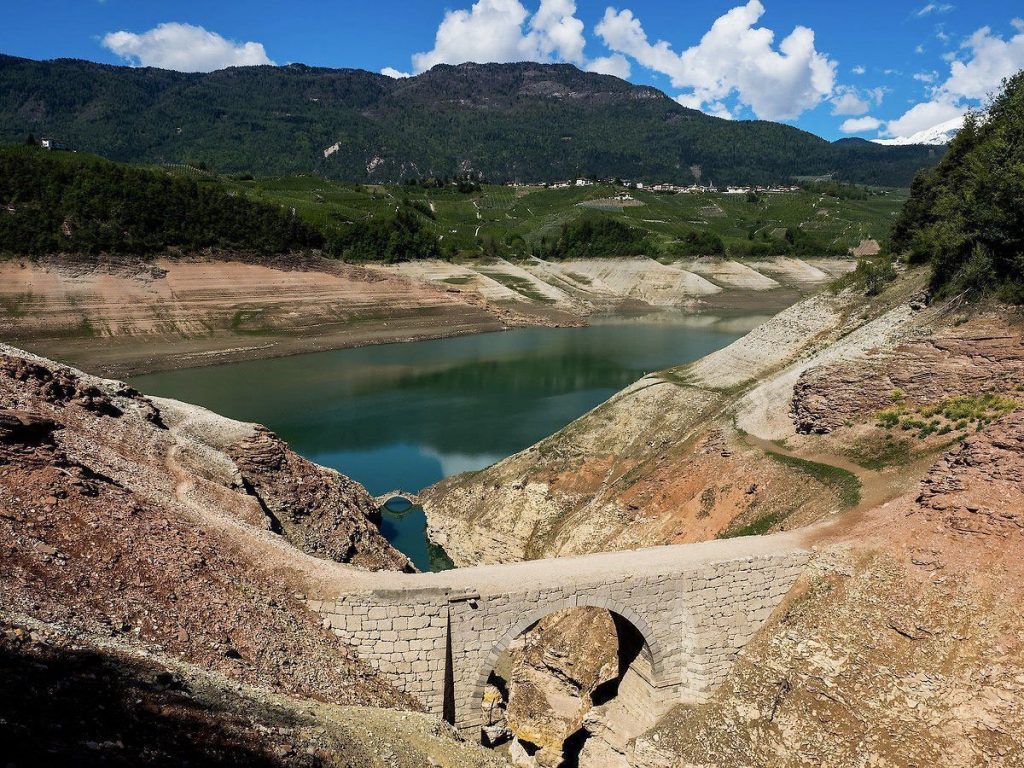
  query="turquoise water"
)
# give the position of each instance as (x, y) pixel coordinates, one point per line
(403, 416)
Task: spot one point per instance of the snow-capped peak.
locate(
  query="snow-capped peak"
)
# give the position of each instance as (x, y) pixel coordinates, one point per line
(942, 133)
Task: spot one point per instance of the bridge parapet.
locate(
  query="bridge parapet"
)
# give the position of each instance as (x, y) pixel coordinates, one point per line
(438, 636)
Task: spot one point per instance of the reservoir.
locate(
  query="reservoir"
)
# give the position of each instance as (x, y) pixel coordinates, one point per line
(403, 416)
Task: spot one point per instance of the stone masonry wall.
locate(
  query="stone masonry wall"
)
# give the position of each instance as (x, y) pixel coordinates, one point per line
(694, 622)
(402, 634)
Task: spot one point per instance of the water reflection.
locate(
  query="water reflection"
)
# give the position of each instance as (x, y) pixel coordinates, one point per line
(407, 415)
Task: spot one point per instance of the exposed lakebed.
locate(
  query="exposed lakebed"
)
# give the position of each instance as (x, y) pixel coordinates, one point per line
(403, 416)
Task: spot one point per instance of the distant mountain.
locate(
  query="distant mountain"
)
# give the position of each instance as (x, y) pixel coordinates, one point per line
(526, 122)
(937, 135)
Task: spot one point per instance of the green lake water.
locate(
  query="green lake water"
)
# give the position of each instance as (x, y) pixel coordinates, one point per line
(403, 416)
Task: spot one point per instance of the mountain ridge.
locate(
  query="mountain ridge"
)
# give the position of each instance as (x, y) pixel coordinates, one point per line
(507, 122)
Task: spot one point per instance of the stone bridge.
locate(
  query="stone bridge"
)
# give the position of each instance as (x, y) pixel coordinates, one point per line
(385, 498)
(438, 636)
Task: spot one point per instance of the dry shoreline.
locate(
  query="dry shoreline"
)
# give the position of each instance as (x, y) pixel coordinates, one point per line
(122, 320)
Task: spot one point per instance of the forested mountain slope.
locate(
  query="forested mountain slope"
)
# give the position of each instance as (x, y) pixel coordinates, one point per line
(527, 122)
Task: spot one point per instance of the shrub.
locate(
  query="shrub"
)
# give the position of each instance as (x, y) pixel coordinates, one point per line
(594, 236)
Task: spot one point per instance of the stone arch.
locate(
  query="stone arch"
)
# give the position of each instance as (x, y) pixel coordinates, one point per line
(385, 499)
(651, 646)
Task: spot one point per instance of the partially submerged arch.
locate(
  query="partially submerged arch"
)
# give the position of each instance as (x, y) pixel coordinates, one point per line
(385, 500)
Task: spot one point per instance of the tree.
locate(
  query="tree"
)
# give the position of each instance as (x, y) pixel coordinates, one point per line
(965, 217)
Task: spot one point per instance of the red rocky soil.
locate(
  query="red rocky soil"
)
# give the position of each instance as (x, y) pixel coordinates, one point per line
(902, 645)
(103, 539)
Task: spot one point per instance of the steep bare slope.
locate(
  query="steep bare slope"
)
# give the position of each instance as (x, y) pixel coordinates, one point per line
(679, 456)
(902, 644)
(156, 552)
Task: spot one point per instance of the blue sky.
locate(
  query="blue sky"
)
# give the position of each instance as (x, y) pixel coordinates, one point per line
(871, 68)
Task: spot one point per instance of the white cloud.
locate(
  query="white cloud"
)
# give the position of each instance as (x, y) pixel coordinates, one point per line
(396, 74)
(497, 30)
(185, 48)
(985, 60)
(848, 101)
(860, 124)
(858, 70)
(491, 31)
(733, 57)
(555, 31)
(616, 64)
(718, 109)
(992, 59)
(926, 77)
(931, 8)
(923, 116)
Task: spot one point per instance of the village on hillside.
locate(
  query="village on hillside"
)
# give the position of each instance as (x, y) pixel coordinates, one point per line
(665, 188)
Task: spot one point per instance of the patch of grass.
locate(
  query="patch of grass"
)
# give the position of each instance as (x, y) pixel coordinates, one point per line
(759, 527)
(875, 454)
(520, 285)
(707, 502)
(948, 415)
(84, 330)
(16, 304)
(846, 484)
(460, 280)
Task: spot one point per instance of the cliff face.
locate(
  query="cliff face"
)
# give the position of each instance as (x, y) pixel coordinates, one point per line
(557, 668)
(155, 547)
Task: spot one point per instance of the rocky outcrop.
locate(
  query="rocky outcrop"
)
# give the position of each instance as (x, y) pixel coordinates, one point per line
(989, 358)
(557, 667)
(117, 524)
(26, 428)
(978, 487)
(317, 509)
(59, 386)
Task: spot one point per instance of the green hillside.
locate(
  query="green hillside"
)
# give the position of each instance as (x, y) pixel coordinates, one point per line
(58, 202)
(966, 217)
(54, 202)
(516, 221)
(525, 122)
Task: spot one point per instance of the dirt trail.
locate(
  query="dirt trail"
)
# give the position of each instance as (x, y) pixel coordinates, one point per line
(876, 486)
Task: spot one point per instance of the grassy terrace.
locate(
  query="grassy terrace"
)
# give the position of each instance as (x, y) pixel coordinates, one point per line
(503, 215)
